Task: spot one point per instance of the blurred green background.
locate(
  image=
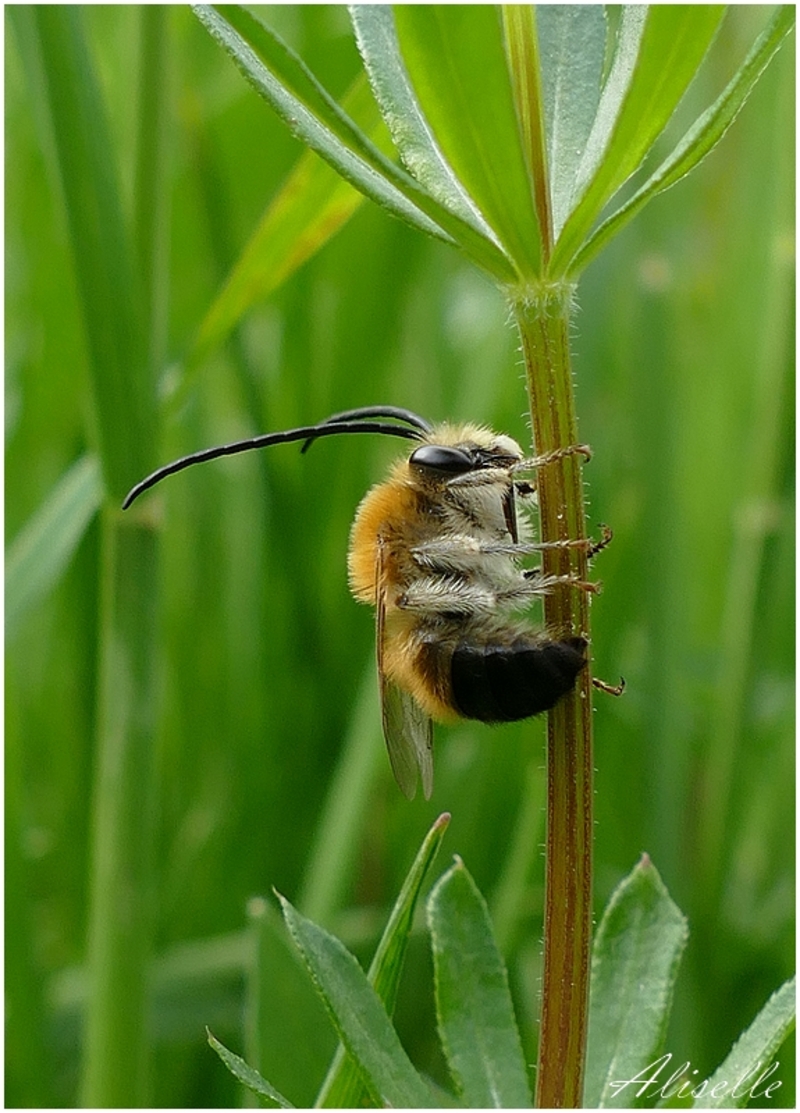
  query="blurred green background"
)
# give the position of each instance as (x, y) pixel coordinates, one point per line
(683, 354)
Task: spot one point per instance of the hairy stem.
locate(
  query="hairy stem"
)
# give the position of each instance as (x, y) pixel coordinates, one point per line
(542, 316)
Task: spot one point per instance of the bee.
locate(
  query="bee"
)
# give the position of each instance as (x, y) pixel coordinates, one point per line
(437, 549)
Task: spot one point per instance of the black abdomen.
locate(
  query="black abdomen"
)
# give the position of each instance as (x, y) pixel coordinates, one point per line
(503, 683)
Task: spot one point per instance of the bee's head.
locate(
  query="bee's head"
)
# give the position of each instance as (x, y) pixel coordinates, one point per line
(452, 450)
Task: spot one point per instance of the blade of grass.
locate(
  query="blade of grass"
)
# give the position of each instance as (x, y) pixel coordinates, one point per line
(116, 1046)
(42, 549)
(27, 1054)
(120, 927)
(652, 70)
(287, 85)
(699, 140)
(151, 194)
(455, 55)
(314, 203)
(123, 399)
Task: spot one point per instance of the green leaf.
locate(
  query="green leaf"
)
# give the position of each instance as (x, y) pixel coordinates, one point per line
(745, 1073)
(290, 1037)
(700, 139)
(377, 40)
(358, 1015)
(316, 119)
(152, 188)
(123, 393)
(572, 45)
(455, 55)
(311, 207)
(635, 961)
(42, 549)
(522, 48)
(246, 1075)
(343, 1088)
(120, 885)
(658, 52)
(476, 1017)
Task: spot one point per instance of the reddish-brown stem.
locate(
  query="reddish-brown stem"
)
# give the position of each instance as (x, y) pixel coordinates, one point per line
(543, 319)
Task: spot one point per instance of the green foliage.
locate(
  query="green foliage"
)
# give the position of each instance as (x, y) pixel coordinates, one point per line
(45, 546)
(637, 949)
(359, 1017)
(343, 1086)
(270, 766)
(473, 1004)
(247, 1075)
(459, 116)
(750, 1063)
(636, 959)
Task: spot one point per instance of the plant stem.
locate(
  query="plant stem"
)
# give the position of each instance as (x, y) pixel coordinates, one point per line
(116, 1044)
(543, 319)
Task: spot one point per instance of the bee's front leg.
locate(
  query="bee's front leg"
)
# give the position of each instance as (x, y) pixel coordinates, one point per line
(534, 462)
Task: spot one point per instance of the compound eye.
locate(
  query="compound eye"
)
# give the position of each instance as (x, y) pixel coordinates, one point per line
(441, 458)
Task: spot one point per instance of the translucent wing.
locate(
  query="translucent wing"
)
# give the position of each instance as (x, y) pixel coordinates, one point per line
(408, 730)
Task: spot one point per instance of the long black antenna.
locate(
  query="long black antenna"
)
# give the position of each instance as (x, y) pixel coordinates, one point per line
(347, 422)
(397, 413)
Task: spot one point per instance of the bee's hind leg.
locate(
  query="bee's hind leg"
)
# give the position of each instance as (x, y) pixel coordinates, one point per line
(609, 689)
(595, 547)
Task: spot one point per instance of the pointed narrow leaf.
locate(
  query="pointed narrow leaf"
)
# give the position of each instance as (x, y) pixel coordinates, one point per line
(42, 549)
(635, 106)
(572, 46)
(745, 1074)
(635, 961)
(343, 1088)
(522, 47)
(387, 965)
(473, 1002)
(247, 1075)
(282, 79)
(291, 1039)
(358, 1015)
(314, 117)
(377, 40)
(700, 139)
(625, 66)
(311, 207)
(123, 392)
(455, 55)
